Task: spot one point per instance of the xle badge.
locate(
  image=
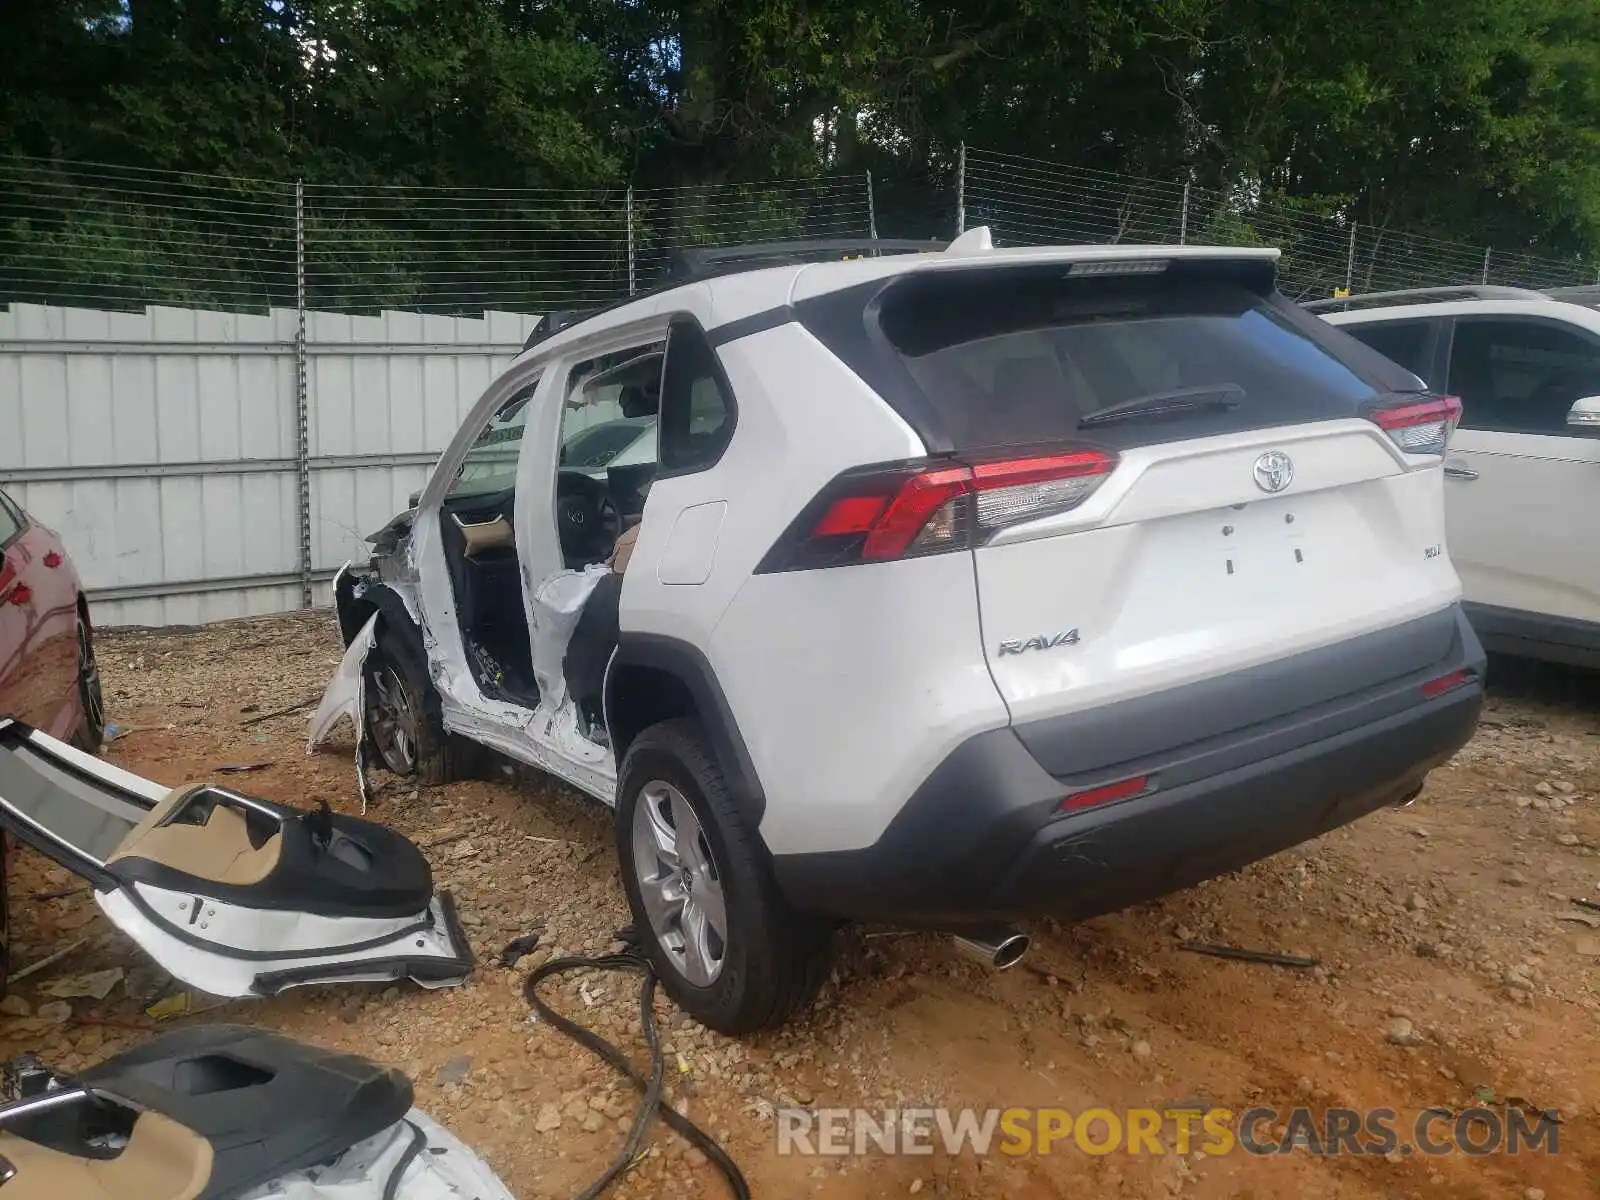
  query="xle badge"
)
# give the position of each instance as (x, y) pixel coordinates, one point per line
(1046, 641)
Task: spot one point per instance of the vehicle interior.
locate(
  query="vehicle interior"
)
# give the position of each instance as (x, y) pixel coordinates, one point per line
(591, 509)
(479, 539)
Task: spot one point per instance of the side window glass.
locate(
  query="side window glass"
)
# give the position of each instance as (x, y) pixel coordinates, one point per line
(697, 410)
(491, 464)
(611, 409)
(1409, 343)
(10, 520)
(1521, 376)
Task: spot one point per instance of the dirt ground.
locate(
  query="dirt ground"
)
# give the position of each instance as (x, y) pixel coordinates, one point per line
(1453, 970)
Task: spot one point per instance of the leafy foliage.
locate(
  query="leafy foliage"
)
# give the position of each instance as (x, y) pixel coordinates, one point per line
(1478, 122)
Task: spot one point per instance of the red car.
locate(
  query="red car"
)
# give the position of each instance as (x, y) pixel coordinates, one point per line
(48, 676)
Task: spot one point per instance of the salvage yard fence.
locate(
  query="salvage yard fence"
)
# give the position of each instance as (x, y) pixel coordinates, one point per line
(204, 464)
(215, 386)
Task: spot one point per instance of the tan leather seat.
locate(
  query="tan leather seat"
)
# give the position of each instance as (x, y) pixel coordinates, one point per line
(218, 850)
(162, 1161)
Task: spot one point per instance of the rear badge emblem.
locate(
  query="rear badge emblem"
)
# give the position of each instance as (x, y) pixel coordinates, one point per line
(1274, 471)
(1045, 641)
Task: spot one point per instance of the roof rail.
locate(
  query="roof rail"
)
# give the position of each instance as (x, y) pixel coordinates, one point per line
(699, 262)
(1427, 295)
(553, 323)
(703, 262)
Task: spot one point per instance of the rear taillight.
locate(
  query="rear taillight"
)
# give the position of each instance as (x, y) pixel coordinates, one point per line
(1421, 426)
(906, 511)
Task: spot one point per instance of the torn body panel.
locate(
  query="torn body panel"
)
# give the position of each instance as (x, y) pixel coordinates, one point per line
(233, 895)
(346, 697)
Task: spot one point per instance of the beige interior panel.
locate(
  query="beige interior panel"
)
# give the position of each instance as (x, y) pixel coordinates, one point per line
(162, 1161)
(219, 850)
(486, 535)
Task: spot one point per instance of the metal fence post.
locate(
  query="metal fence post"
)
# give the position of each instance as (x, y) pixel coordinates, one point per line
(1350, 259)
(633, 277)
(961, 191)
(1486, 252)
(301, 395)
(872, 211)
(1183, 217)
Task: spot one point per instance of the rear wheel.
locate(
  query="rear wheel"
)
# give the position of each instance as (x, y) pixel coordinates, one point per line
(727, 946)
(404, 728)
(91, 703)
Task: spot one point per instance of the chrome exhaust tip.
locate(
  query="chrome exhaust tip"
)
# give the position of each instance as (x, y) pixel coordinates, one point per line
(997, 949)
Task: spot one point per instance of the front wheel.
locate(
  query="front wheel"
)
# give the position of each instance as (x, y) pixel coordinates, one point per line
(726, 945)
(91, 702)
(403, 725)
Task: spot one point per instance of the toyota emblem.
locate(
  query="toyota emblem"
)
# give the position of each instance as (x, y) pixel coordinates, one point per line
(1274, 471)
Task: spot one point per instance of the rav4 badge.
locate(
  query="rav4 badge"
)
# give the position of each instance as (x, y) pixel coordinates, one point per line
(1046, 641)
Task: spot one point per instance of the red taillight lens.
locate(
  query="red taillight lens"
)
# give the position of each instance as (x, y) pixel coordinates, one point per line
(1445, 683)
(908, 510)
(1421, 427)
(1121, 790)
(910, 517)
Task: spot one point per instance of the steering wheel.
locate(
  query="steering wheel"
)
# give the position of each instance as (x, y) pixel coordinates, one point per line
(587, 523)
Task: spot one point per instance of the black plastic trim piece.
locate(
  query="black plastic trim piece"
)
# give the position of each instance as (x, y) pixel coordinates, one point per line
(689, 665)
(354, 611)
(311, 1105)
(759, 322)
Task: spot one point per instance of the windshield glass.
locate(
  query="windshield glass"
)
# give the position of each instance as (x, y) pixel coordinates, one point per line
(491, 463)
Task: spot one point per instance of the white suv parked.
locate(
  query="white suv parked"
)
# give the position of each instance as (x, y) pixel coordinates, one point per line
(971, 585)
(1523, 477)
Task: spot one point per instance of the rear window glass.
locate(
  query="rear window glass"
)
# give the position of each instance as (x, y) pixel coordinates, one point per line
(1015, 357)
(1409, 343)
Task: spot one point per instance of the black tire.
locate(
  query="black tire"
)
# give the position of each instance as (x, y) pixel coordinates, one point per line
(91, 734)
(398, 664)
(774, 958)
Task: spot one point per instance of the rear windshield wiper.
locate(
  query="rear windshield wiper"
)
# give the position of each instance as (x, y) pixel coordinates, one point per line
(1161, 404)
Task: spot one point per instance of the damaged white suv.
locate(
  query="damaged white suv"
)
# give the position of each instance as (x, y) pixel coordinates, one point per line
(967, 585)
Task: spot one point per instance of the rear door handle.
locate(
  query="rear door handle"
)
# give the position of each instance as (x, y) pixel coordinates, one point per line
(1455, 471)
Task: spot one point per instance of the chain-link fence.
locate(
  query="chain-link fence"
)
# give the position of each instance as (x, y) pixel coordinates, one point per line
(96, 236)
(1027, 201)
(124, 237)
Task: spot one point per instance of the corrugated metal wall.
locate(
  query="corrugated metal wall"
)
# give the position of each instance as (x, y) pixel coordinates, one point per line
(163, 445)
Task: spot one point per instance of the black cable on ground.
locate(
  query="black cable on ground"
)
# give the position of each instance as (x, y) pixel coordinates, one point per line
(650, 1105)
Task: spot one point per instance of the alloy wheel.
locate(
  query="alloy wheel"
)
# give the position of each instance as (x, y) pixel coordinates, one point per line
(392, 723)
(679, 883)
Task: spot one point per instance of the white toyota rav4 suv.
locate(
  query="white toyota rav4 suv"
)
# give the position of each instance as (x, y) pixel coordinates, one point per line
(970, 585)
(1522, 483)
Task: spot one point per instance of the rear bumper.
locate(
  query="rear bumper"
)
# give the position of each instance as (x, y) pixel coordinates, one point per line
(982, 838)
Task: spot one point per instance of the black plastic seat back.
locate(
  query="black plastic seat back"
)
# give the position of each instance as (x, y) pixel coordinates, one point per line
(362, 870)
(268, 1105)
